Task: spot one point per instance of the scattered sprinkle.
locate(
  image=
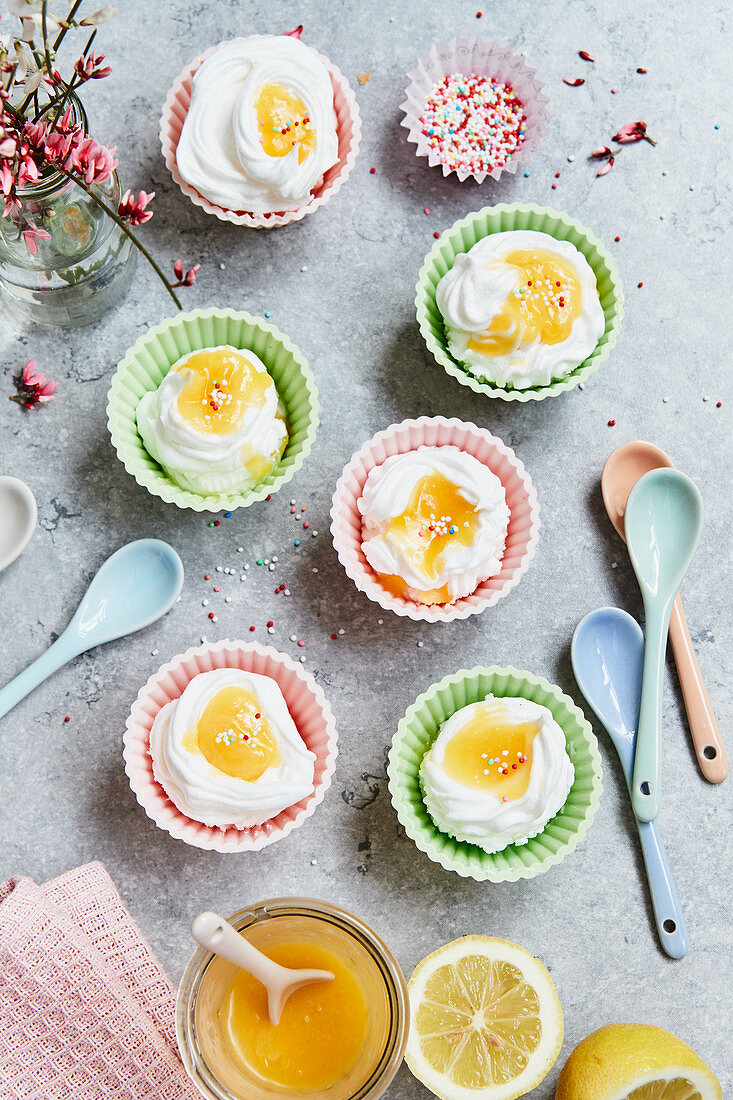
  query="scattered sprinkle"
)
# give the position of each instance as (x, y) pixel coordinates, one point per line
(67, 718)
(611, 423)
(436, 234)
(268, 314)
(372, 171)
(640, 285)
(613, 91)
(617, 239)
(640, 70)
(426, 210)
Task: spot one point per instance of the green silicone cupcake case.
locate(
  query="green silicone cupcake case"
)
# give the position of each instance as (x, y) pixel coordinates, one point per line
(462, 236)
(150, 359)
(419, 728)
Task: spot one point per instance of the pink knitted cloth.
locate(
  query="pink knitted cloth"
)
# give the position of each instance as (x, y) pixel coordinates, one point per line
(86, 1013)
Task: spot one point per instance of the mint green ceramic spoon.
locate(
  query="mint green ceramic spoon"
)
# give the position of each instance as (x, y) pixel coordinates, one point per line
(662, 524)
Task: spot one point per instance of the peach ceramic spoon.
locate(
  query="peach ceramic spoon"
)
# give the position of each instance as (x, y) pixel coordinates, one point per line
(216, 934)
(623, 469)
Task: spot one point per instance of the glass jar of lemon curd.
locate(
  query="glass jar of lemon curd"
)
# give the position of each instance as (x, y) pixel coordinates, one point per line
(339, 1040)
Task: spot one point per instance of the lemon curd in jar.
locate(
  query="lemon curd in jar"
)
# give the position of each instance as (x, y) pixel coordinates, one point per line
(331, 1035)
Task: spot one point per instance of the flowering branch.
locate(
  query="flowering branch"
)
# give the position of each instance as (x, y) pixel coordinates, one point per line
(50, 141)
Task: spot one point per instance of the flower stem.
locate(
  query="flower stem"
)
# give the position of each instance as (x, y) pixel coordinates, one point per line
(44, 32)
(67, 23)
(119, 221)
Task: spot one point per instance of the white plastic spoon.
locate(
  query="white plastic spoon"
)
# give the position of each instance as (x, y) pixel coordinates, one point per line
(217, 935)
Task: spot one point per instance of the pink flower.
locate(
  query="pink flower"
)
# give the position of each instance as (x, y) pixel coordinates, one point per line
(606, 168)
(189, 278)
(33, 387)
(601, 151)
(89, 68)
(94, 162)
(31, 233)
(133, 209)
(296, 33)
(632, 131)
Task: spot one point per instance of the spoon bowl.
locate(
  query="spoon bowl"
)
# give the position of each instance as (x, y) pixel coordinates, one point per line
(662, 524)
(623, 469)
(19, 517)
(607, 654)
(217, 935)
(138, 584)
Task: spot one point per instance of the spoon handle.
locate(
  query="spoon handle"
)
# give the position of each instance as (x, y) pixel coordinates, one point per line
(646, 788)
(213, 932)
(62, 650)
(668, 914)
(712, 758)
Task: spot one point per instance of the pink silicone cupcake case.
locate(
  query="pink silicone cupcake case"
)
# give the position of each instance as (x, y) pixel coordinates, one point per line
(308, 707)
(524, 522)
(472, 57)
(348, 122)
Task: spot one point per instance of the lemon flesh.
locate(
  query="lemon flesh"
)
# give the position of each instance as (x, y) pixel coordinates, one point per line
(486, 1021)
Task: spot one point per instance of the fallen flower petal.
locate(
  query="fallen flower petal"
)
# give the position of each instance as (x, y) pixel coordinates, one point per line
(632, 131)
(296, 33)
(574, 82)
(32, 388)
(606, 168)
(601, 151)
(585, 55)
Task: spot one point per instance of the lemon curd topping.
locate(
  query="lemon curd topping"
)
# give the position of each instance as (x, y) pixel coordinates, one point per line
(543, 306)
(437, 515)
(234, 736)
(492, 754)
(321, 1031)
(284, 122)
(221, 385)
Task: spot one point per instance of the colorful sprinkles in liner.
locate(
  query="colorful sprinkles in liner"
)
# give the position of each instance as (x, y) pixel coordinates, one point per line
(474, 123)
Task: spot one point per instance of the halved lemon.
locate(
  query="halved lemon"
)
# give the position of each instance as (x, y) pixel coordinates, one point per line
(635, 1062)
(486, 1021)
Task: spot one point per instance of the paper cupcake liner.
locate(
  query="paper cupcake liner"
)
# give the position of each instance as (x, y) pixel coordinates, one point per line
(348, 124)
(151, 357)
(419, 728)
(462, 235)
(521, 498)
(308, 707)
(472, 57)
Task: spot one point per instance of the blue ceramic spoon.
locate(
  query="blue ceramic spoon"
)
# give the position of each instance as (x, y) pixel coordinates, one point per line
(662, 523)
(134, 587)
(607, 653)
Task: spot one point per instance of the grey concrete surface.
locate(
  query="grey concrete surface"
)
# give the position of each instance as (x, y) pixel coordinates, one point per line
(340, 284)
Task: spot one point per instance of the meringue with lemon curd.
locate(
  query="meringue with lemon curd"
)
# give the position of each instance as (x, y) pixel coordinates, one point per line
(434, 523)
(497, 772)
(521, 309)
(228, 753)
(215, 422)
(260, 131)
